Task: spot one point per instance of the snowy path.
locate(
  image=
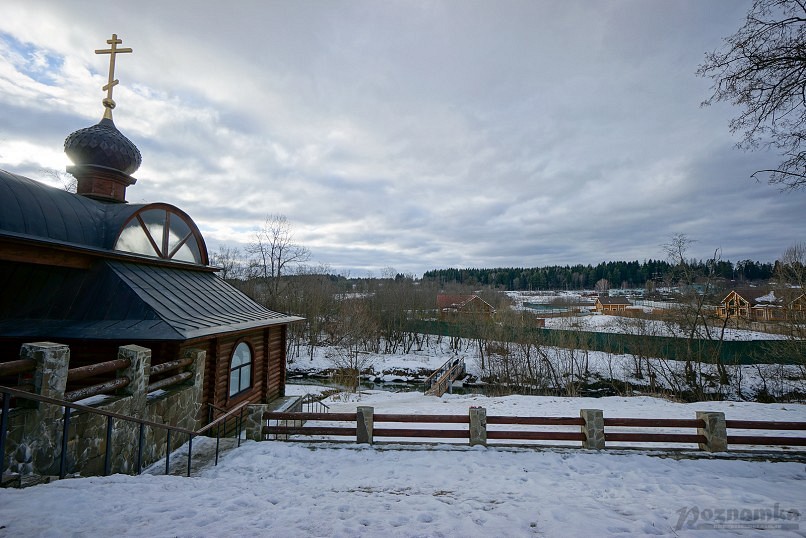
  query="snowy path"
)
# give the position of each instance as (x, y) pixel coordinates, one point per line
(289, 489)
(284, 489)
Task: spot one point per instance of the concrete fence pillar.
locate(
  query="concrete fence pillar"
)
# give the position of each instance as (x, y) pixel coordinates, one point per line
(593, 428)
(50, 373)
(364, 424)
(138, 372)
(198, 357)
(715, 431)
(478, 426)
(253, 422)
(39, 436)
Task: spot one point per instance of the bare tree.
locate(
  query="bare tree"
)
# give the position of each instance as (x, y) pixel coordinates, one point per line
(791, 273)
(273, 249)
(67, 181)
(693, 317)
(231, 262)
(791, 268)
(762, 69)
(316, 302)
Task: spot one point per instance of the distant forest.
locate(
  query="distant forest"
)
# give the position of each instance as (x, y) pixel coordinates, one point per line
(577, 277)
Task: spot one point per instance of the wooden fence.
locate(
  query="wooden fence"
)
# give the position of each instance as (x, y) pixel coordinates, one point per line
(708, 431)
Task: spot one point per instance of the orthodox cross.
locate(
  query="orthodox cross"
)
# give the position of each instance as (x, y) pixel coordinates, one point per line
(109, 103)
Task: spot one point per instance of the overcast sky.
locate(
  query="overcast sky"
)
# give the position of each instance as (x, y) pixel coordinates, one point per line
(409, 134)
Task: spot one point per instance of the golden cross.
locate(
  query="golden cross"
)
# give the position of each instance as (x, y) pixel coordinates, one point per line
(109, 103)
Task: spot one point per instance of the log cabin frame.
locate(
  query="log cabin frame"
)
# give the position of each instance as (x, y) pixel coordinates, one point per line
(66, 278)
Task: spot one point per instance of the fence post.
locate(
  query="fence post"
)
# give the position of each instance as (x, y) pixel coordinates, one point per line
(39, 440)
(715, 432)
(138, 372)
(197, 367)
(50, 376)
(254, 422)
(593, 429)
(364, 423)
(478, 426)
(197, 383)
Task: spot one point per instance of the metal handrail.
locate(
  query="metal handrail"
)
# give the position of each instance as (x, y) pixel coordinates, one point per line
(238, 408)
(316, 406)
(8, 392)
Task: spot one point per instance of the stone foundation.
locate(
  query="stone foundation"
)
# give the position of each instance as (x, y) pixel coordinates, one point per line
(34, 442)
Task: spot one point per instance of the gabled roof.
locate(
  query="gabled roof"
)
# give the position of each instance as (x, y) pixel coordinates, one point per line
(457, 302)
(754, 296)
(452, 301)
(613, 300)
(124, 301)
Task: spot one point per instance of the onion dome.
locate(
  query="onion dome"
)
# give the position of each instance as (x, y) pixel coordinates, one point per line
(104, 159)
(103, 145)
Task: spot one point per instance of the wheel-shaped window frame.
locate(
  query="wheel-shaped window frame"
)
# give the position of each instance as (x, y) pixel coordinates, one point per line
(163, 231)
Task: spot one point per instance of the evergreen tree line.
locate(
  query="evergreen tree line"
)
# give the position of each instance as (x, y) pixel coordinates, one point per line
(622, 274)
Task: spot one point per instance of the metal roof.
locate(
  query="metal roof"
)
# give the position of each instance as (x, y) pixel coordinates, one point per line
(124, 301)
(614, 300)
(36, 210)
(31, 208)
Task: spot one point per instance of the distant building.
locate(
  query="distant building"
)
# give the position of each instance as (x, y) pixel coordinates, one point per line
(611, 305)
(759, 304)
(452, 307)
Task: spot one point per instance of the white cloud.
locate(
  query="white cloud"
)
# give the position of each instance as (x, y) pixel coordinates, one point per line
(416, 135)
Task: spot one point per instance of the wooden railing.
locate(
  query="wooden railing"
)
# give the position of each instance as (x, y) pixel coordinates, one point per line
(521, 430)
(648, 437)
(762, 439)
(110, 386)
(177, 365)
(97, 369)
(535, 435)
(439, 382)
(449, 433)
(25, 367)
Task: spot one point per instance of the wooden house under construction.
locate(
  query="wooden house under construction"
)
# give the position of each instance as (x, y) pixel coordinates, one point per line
(458, 307)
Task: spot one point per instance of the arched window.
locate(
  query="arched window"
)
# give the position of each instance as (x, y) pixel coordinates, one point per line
(164, 232)
(240, 370)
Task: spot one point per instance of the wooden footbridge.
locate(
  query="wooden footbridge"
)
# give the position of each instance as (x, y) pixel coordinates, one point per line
(442, 379)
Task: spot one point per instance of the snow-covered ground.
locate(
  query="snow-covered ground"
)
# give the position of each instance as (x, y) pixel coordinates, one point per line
(297, 489)
(745, 381)
(620, 324)
(294, 489)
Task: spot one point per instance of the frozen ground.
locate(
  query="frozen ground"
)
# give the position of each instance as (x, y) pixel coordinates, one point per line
(290, 489)
(745, 381)
(621, 324)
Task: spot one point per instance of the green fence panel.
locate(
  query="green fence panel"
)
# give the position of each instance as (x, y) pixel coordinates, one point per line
(728, 352)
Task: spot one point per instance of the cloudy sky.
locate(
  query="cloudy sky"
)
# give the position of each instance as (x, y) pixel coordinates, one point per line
(409, 134)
